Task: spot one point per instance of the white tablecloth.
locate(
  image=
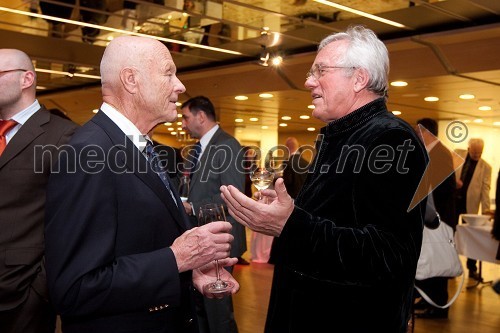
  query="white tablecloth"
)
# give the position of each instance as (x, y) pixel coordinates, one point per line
(476, 242)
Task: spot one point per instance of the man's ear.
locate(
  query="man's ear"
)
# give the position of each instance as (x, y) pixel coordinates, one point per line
(361, 78)
(128, 79)
(28, 79)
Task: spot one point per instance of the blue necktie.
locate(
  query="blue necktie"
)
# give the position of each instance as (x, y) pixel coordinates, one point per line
(154, 160)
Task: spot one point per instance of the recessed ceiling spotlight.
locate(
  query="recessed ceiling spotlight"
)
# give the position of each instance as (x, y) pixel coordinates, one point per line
(286, 117)
(311, 129)
(283, 125)
(266, 95)
(484, 108)
(304, 116)
(179, 123)
(179, 115)
(496, 123)
(95, 110)
(431, 99)
(170, 129)
(178, 103)
(254, 119)
(466, 96)
(41, 87)
(241, 98)
(173, 133)
(179, 129)
(167, 124)
(277, 60)
(478, 121)
(399, 83)
(264, 127)
(182, 132)
(311, 106)
(238, 120)
(396, 112)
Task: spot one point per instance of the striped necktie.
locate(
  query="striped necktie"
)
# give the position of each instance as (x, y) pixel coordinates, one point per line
(154, 160)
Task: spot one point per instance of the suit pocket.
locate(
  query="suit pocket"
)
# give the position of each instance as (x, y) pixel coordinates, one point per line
(23, 256)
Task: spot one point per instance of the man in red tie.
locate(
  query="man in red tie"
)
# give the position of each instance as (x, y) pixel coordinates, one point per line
(24, 125)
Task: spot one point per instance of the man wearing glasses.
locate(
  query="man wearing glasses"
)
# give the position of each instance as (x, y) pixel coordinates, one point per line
(349, 243)
(24, 125)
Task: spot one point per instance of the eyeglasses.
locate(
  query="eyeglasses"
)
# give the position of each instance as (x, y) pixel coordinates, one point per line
(317, 71)
(13, 70)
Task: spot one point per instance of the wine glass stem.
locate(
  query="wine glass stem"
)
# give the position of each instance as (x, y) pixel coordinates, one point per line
(217, 269)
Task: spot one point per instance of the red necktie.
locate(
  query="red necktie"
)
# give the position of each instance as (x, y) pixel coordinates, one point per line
(5, 126)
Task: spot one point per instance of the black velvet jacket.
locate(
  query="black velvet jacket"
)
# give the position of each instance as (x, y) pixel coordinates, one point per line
(349, 251)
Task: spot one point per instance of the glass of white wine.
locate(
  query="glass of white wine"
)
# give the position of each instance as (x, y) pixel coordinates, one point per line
(261, 178)
(210, 213)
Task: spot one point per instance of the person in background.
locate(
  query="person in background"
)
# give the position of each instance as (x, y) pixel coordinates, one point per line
(351, 236)
(473, 188)
(121, 254)
(443, 194)
(218, 162)
(295, 168)
(24, 171)
(495, 231)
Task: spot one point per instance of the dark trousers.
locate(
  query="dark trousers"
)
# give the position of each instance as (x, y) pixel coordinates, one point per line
(35, 315)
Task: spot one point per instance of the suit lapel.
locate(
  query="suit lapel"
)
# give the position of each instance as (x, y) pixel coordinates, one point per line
(136, 162)
(28, 132)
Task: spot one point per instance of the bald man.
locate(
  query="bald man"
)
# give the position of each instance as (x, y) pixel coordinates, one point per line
(120, 254)
(24, 125)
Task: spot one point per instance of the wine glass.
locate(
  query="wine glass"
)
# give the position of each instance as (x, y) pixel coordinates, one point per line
(210, 213)
(261, 178)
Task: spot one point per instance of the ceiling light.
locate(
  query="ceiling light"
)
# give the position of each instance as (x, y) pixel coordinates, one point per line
(241, 98)
(466, 121)
(360, 13)
(484, 108)
(126, 32)
(264, 127)
(254, 119)
(178, 103)
(283, 125)
(179, 123)
(95, 110)
(286, 117)
(173, 133)
(170, 129)
(41, 87)
(304, 116)
(88, 76)
(311, 106)
(182, 132)
(467, 96)
(496, 123)
(179, 115)
(311, 129)
(167, 124)
(396, 112)
(478, 121)
(179, 128)
(266, 95)
(50, 71)
(276, 61)
(399, 83)
(431, 99)
(238, 120)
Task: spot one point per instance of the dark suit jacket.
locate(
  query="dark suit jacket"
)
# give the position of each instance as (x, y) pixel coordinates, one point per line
(220, 164)
(110, 222)
(294, 174)
(24, 172)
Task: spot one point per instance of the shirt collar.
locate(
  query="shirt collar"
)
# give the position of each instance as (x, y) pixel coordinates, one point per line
(205, 139)
(24, 115)
(127, 127)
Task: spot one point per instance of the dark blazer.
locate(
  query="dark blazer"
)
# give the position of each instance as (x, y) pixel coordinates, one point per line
(110, 222)
(24, 173)
(220, 164)
(295, 173)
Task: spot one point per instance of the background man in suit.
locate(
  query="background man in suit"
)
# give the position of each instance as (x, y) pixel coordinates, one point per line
(219, 163)
(473, 184)
(119, 253)
(444, 202)
(24, 124)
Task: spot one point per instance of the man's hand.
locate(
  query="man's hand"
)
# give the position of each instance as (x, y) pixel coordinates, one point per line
(208, 273)
(267, 218)
(202, 245)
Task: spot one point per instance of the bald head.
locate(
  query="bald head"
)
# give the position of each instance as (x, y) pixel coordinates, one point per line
(17, 82)
(292, 144)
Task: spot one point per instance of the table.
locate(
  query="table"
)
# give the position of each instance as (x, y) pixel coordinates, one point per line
(477, 243)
